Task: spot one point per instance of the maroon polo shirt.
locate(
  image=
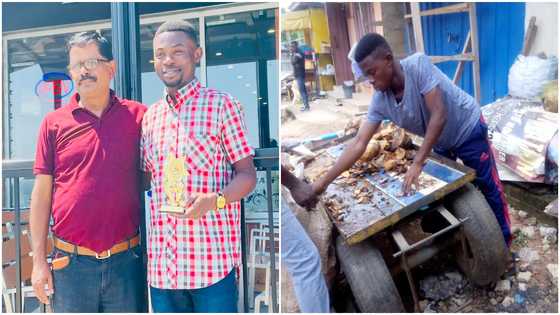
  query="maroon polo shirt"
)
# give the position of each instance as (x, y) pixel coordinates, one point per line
(94, 163)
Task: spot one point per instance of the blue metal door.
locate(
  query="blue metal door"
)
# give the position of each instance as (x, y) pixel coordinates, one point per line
(500, 36)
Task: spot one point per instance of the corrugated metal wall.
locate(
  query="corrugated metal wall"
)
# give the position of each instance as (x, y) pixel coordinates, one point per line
(500, 33)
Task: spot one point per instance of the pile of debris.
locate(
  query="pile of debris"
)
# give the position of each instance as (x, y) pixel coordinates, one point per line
(531, 285)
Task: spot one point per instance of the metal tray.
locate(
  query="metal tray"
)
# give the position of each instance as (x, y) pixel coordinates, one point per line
(440, 176)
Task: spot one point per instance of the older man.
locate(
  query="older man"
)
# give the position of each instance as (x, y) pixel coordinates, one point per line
(86, 169)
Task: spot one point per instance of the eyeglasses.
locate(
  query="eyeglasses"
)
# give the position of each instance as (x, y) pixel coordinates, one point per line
(89, 64)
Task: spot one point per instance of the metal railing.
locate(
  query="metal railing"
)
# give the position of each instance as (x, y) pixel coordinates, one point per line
(265, 160)
(13, 171)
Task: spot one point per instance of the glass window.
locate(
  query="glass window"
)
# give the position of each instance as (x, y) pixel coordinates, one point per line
(256, 204)
(273, 92)
(240, 80)
(38, 83)
(240, 54)
(241, 36)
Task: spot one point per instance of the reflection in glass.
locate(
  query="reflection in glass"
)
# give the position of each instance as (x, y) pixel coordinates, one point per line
(240, 80)
(29, 97)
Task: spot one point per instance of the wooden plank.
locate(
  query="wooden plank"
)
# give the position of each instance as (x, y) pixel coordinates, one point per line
(459, 57)
(461, 64)
(400, 240)
(529, 36)
(417, 27)
(455, 8)
(474, 50)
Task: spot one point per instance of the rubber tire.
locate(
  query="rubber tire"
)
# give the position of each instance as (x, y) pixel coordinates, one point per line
(369, 278)
(483, 234)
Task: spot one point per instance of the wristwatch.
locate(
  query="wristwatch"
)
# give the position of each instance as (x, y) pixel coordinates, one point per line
(220, 201)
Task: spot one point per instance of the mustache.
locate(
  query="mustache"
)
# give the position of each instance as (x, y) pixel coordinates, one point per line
(87, 77)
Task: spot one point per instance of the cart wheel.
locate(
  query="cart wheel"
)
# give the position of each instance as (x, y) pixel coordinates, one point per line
(484, 259)
(370, 280)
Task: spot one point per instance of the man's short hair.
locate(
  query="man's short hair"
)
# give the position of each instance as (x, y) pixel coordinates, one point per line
(368, 44)
(179, 26)
(294, 43)
(85, 38)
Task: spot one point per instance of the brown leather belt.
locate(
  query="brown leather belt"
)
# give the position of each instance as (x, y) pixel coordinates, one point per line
(80, 250)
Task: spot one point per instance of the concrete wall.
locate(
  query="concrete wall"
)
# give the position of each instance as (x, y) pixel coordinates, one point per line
(546, 39)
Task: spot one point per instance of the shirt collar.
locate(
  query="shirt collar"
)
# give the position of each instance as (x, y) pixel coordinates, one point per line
(74, 103)
(182, 94)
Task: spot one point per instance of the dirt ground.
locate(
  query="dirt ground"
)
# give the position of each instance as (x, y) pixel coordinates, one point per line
(327, 115)
(530, 286)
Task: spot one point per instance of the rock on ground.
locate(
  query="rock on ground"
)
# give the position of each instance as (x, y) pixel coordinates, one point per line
(553, 269)
(503, 286)
(524, 276)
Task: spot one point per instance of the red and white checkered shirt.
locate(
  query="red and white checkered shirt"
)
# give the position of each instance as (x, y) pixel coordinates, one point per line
(207, 128)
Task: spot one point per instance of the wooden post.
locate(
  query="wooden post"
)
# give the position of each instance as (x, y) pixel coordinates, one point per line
(417, 26)
(461, 64)
(529, 36)
(474, 46)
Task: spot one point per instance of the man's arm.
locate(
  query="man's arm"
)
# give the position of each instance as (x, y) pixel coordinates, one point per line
(39, 225)
(351, 154)
(438, 118)
(301, 192)
(242, 184)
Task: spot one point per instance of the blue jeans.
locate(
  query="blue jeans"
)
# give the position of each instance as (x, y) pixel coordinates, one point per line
(301, 258)
(220, 297)
(89, 285)
(302, 91)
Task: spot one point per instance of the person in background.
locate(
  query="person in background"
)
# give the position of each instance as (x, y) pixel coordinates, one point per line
(298, 63)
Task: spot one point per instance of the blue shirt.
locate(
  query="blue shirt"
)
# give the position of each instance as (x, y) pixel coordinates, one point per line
(412, 114)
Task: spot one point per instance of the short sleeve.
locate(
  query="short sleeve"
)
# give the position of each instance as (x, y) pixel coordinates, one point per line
(375, 110)
(427, 78)
(44, 154)
(234, 131)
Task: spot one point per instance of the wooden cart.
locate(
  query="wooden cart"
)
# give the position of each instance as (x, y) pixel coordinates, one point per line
(374, 244)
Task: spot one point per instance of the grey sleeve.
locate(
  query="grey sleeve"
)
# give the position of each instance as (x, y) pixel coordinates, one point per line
(427, 74)
(375, 110)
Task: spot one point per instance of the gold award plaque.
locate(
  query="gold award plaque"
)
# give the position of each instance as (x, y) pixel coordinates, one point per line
(174, 181)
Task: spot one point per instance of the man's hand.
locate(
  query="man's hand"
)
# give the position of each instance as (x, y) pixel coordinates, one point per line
(40, 276)
(411, 178)
(304, 195)
(197, 205)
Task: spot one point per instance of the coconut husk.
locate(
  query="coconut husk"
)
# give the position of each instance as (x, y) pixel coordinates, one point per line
(389, 164)
(378, 162)
(371, 152)
(400, 154)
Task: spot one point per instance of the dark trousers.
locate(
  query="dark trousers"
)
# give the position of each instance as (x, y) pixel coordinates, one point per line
(476, 153)
(89, 285)
(302, 91)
